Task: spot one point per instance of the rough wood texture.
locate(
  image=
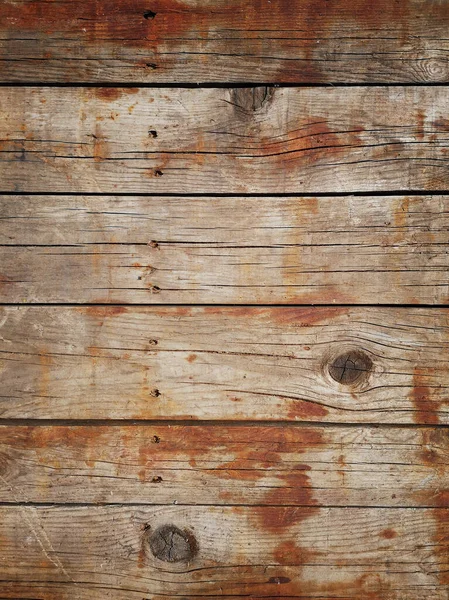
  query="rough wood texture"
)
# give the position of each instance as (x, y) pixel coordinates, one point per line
(270, 552)
(237, 250)
(261, 465)
(225, 40)
(387, 365)
(293, 140)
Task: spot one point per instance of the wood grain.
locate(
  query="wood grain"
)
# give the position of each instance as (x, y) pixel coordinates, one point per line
(228, 250)
(241, 363)
(253, 465)
(271, 552)
(221, 41)
(293, 140)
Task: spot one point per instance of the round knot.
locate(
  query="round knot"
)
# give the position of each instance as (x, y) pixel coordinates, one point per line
(171, 544)
(350, 367)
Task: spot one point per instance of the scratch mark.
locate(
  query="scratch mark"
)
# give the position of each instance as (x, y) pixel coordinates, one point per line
(29, 515)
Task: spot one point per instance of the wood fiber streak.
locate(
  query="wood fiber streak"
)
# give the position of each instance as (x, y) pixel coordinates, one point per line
(237, 363)
(253, 465)
(224, 41)
(292, 140)
(237, 250)
(271, 552)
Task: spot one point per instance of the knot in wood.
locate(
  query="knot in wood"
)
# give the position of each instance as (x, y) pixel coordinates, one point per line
(350, 367)
(171, 544)
(251, 99)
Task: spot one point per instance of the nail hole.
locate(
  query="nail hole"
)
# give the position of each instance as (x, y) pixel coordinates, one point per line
(151, 65)
(172, 544)
(152, 133)
(350, 367)
(153, 244)
(156, 439)
(149, 14)
(156, 479)
(158, 173)
(155, 289)
(155, 393)
(153, 342)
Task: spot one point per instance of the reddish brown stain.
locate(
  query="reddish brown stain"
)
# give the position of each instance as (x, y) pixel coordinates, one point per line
(301, 409)
(5, 280)
(401, 212)
(100, 149)
(141, 558)
(276, 519)
(237, 311)
(420, 118)
(110, 94)
(313, 141)
(288, 553)
(124, 23)
(433, 453)
(102, 312)
(441, 123)
(57, 436)
(425, 407)
(388, 534)
(192, 358)
(306, 317)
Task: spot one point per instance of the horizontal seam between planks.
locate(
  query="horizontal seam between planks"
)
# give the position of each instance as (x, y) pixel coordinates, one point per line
(35, 422)
(217, 85)
(215, 504)
(174, 195)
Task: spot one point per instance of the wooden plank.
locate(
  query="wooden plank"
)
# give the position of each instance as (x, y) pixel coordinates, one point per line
(237, 250)
(292, 140)
(334, 364)
(255, 465)
(271, 552)
(221, 41)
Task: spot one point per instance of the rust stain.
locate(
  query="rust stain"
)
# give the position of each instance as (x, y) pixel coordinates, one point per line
(432, 453)
(141, 559)
(5, 281)
(277, 519)
(441, 123)
(191, 358)
(426, 408)
(420, 130)
(301, 409)
(55, 436)
(313, 141)
(401, 212)
(289, 553)
(306, 317)
(318, 20)
(297, 316)
(100, 145)
(102, 312)
(171, 24)
(388, 534)
(110, 94)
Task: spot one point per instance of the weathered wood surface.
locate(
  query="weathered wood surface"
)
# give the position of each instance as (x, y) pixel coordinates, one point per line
(335, 364)
(293, 140)
(271, 552)
(252, 465)
(236, 250)
(222, 41)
